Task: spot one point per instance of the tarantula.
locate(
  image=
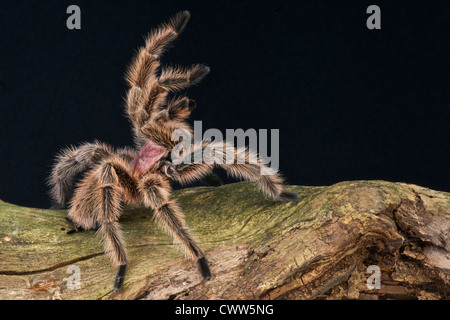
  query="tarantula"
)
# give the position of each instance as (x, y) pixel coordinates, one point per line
(113, 177)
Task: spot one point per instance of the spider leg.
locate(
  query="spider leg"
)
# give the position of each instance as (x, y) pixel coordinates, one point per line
(189, 171)
(180, 108)
(178, 78)
(69, 163)
(171, 80)
(97, 203)
(111, 173)
(146, 62)
(115, 248)
(146, 103)
(142, 73)
(213, 179)
(149, 88)
(156, 193)
(170, 216)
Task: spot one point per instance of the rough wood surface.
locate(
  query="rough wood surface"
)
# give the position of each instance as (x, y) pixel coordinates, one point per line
(317, 248)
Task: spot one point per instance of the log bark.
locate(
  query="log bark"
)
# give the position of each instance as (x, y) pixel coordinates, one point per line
(320, 247)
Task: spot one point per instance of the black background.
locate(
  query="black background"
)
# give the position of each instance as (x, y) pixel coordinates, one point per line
(350, 103)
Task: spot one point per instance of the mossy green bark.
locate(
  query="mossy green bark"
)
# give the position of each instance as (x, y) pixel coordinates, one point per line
(316, 248)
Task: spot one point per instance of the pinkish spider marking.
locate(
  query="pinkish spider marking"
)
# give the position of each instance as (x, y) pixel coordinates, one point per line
(147, 156)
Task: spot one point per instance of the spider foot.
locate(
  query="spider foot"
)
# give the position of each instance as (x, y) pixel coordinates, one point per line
(204, 268)
(57, 206)
(78, 228)
(286, 196)
(120, 277)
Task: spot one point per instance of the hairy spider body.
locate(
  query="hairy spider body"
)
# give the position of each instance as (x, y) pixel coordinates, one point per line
(143, 174)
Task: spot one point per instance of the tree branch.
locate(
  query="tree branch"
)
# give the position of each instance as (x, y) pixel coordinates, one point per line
(317, 248)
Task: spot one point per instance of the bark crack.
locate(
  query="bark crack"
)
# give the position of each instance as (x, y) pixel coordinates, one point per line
(52, 268)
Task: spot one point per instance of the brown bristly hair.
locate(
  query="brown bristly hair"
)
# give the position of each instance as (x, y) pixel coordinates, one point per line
(110, 178)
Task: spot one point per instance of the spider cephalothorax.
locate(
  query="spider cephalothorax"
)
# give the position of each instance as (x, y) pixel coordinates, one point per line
(142, 175)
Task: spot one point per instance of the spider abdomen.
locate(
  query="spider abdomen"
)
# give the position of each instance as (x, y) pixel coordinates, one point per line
(147, 156)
